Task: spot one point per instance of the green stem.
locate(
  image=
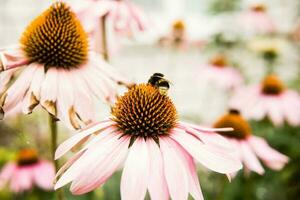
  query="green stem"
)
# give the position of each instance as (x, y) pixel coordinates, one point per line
(53, 130)
(104, 38)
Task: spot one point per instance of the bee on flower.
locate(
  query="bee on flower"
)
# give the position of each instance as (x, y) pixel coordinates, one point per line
(157, 151)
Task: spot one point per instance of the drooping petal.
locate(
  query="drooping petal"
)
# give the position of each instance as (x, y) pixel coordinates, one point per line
(49, 90)
(269, 156)
(190, 166)
(135, 175)
(157, 182)
(102, 168)
(212, 158)
(250, 159)
(22, 180)
(6, 173)
(175, 172)
(79, 136)
(17, 91)
(87, 159)
(43, 175)
(291, 107)
(274, 111)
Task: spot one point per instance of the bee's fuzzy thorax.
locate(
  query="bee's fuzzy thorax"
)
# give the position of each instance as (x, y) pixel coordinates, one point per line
(56, 39)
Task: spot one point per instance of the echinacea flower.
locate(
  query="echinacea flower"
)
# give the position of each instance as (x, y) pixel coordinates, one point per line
(220, 73)
(27, 171)
(125, 16)
(156, 150)
(269, 99)
(248, 146)
(60, 72)
(177, 35)
(257, 20)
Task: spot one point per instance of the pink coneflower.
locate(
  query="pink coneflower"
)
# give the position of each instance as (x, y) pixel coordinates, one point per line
(156, 150)
(219, 72)
(248, 146)
(269, 99)
(60, 73)
(126, 17)
(257, 20)
(28, 171)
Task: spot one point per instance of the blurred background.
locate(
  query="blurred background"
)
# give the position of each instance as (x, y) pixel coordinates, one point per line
(211, 27)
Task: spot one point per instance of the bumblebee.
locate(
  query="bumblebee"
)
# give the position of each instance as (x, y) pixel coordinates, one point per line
(157, 80)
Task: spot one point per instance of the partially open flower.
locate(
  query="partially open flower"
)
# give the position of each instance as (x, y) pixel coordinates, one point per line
(219, 72)
(269, 99)
(60, 72)
(257, 20)
(157, 150)
(27, 171)
(248, 146)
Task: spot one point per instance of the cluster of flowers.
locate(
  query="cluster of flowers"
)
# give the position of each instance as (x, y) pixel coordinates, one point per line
(60, 72)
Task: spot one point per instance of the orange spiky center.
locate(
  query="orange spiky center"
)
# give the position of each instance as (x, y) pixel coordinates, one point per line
(27, 157)
(241, 128)
(258, 8)
(219, 61)
(179, 25)
(144, 112)
(272, 85)
(56, 39)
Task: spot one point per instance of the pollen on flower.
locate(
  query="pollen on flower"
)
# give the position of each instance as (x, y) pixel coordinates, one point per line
(241, 128)
(27, 156)
(144, 112)
(56, 38)
(272, 85)
(219, 61)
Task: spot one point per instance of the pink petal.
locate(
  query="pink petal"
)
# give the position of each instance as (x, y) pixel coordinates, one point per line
(269, 156)
(22, 180)
(175, 170)
(185, 125)
(17, 91)
(79, 136)
(50, 86)
(250, 159)
(291, 107)
(43, 175)
(102, 168)
(212, 158)
(6, 173)
(5, 78)
(274, 109)
(135, 174)
(88, 159)
(157, 183)
(190, 166)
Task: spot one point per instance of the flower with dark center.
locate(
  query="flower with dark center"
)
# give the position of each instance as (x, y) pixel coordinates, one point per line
(218, 72)
(272, 85)
(27, 171)
(249, 147)
(256, 20)
(241, 128)
(156, 150)
(59, 71)
(269, 99)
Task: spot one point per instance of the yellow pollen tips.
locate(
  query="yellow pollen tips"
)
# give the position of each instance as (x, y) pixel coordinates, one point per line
(272, 85)
(143, 111)
(219, 61)
(56, 38)
(27, 156)
(234, 119)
